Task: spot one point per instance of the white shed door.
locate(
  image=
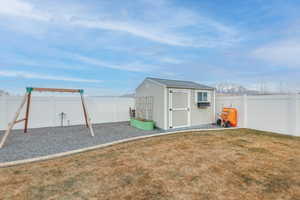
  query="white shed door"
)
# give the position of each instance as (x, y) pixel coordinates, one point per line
(179, 108)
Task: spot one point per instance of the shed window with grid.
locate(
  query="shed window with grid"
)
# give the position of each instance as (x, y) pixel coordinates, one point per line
(202, 96)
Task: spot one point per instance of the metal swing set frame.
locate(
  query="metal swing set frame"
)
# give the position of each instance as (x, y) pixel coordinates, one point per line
(27, 98)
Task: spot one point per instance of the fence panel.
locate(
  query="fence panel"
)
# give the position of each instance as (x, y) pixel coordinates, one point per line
(276, 113)
(3, 112)
(46, 111)
(270, 113)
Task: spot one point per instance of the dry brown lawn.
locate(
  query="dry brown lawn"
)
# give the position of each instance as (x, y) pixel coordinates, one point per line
(232, 164)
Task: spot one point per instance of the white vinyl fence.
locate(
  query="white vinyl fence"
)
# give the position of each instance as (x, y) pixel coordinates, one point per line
(276, 113)
(45, 111)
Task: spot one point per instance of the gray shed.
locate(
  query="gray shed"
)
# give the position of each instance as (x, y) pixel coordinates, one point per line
(175, 103)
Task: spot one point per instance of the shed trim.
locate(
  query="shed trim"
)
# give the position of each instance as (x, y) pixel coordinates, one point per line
(158, 83)
(180, 84)
(155, 82)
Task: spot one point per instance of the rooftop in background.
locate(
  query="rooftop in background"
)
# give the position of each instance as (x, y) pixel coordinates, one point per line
(181, 84)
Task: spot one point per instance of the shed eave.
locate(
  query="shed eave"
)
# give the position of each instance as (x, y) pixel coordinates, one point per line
(191, 88)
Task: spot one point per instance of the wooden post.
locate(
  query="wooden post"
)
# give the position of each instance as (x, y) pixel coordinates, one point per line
(11, 125)
(84, 111)
(87, 116)
(27, 112)
(55, 90)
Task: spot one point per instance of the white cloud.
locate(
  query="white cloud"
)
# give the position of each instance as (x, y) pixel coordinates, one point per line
(283, 53)
(31, 75)
(165, 26)
(170, 60)
(153, 34)
(135, 66)
(8, 60)
(19, 8)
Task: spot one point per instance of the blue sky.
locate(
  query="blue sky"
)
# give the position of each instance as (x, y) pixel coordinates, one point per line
(109, 47)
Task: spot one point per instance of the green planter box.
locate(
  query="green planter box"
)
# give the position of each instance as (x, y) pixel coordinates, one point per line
(143, 125)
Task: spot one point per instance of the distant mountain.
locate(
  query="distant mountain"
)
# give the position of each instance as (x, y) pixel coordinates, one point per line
(234, 89)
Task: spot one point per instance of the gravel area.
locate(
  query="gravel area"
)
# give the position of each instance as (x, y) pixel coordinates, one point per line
(51, 140)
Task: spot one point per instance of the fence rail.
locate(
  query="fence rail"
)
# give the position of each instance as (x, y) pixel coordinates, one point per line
(276, 113)
(47, 111)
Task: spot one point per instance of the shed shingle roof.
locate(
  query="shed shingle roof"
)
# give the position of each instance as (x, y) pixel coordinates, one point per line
(180, 84)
